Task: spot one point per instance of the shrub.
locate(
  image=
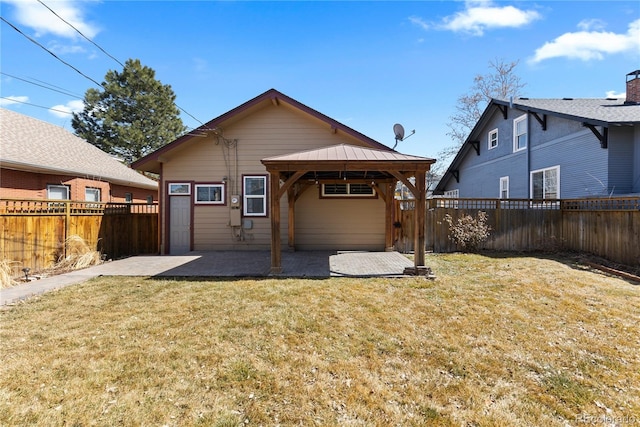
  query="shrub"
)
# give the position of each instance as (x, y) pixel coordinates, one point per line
(468, 232)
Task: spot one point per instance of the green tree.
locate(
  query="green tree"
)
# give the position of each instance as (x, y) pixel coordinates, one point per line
(501, 82)
(132, 115)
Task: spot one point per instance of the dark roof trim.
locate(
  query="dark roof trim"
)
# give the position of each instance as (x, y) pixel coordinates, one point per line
(536, 111)
(275, 97)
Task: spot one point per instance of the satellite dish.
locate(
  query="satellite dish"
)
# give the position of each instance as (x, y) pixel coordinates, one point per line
(398, 131)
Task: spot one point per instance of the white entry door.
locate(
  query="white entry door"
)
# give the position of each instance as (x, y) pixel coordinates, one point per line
(179, 225)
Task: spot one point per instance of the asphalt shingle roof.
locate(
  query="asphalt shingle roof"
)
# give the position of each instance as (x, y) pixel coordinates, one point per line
(609, 111)
(33, 145)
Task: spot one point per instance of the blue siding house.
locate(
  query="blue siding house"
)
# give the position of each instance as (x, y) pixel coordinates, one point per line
(551, 148)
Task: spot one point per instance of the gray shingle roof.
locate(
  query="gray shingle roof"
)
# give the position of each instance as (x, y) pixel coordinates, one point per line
(597, 111)
(33, 145)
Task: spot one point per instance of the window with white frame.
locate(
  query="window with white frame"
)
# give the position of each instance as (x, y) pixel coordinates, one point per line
(504, 187)
(452, 193)
(347, 190)
(92, 194)
(179, 189)
(210, 194)
(493, 139)
(254, 195)
(57, 192)
(520, 133)
(545, 183)
(128, 197)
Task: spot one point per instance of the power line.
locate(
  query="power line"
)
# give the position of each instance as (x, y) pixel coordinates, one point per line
(106, 53)
(35, 105)
(45, 85)
(80, 32)
(49, 52)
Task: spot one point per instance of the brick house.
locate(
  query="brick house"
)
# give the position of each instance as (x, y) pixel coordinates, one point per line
(39, 160)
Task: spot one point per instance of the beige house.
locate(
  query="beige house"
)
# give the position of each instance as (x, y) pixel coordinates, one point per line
(276, 174)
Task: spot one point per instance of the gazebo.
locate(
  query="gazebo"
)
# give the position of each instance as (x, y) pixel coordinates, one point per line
(292, 174)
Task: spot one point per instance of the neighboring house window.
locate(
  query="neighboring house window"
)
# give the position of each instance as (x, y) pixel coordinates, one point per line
(179, 189)
(92, 194)
(493, 139)
(255, 195)
(210, 194)
(57, 192)
(504, 187)
(545, 183)
(347, 190)
(149, 200)
(452, 194)
(520, 133)
(128, 198)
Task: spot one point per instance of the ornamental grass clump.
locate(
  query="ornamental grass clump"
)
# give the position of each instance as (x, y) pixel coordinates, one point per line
(78, 255)
(468, 232)
(6, 274)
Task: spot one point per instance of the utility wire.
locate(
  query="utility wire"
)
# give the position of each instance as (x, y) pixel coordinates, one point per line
(49, 87)
(106, 53)
(49, 52)
(80, 32)
(35, 105)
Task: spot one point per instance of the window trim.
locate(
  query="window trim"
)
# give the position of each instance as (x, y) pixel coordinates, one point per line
(246, 197)
(348, 194)
(516, 121)
(543, 170)
(221, 185)
(504, 179)
(67, 188)
(489, 139)
(179, 188)
(96, 189)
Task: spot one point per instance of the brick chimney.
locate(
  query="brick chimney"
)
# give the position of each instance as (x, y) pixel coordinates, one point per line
(633, 87)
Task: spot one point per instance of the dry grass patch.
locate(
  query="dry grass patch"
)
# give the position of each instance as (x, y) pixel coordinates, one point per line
(492, 341)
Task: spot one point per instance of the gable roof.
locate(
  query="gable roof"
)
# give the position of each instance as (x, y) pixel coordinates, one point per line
(597, 112)
(33, 145)
(151, 162)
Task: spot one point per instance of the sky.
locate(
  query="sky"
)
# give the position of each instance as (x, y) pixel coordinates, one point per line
(366, 64)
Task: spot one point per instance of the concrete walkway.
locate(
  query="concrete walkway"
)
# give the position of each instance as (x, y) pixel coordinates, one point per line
(310, 264)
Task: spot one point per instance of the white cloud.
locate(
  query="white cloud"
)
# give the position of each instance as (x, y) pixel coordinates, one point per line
(590, 45)
(65, 110)
(613, 94)
(9, 100)
(479, 16)
(32, 14)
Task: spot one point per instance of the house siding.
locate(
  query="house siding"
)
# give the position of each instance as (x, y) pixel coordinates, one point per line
(349, 224)
(572, 152)
(636, 160)
(621, 158)
(271, 131)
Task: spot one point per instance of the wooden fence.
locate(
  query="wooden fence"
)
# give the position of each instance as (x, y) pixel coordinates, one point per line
(33, 232)
(609, 228)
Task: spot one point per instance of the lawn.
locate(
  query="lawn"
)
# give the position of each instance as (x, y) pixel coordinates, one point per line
(493, 341)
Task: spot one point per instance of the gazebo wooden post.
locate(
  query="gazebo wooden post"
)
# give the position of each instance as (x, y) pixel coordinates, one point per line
(291, 199)
(420, 216)
(276, 261)
(388, 217)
